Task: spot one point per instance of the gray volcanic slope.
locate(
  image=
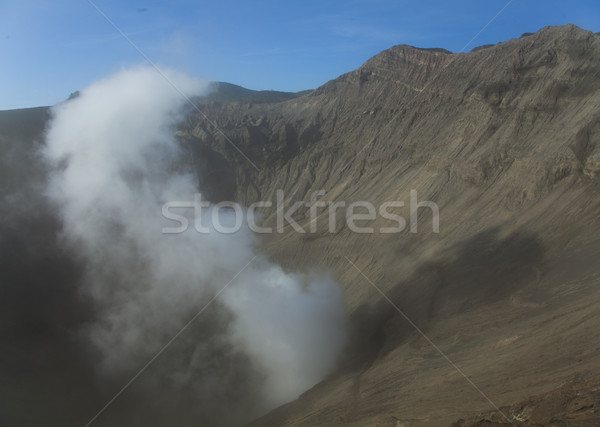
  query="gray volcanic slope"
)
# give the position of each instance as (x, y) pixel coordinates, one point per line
(506, 141)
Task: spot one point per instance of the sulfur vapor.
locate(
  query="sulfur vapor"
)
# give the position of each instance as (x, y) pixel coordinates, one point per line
(266, 338)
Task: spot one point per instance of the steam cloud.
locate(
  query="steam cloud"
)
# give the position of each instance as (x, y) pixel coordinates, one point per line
(268, 337)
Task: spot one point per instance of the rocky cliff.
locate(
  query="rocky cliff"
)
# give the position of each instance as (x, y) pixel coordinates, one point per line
(506, 141)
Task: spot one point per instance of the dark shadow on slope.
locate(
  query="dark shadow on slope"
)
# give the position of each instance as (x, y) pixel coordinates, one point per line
(479, 271)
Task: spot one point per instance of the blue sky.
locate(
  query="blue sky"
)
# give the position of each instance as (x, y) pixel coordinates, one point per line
(49, 49)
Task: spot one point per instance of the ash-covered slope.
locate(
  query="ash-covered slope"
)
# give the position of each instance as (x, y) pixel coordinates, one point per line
(506, 141)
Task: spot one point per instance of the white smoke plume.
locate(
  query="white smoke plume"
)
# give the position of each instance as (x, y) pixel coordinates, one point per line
(268, 337)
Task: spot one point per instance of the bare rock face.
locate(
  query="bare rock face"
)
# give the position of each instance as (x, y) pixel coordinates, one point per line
(505, 140)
